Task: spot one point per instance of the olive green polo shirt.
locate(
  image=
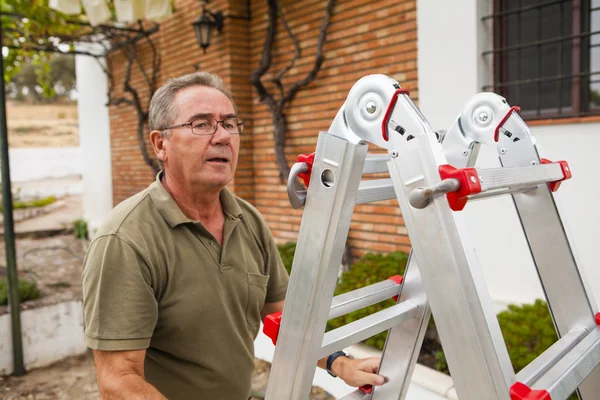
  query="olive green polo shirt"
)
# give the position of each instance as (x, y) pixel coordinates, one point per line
(154, 279)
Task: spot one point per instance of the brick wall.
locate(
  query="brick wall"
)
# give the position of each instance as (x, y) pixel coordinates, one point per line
(364, 37)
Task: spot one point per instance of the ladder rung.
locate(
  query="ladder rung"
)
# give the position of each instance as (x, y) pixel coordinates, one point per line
(375, 190)
(363, 297)
(538, 367)
(366, 327)
(496, 178)
(568, 372)
(376, 163)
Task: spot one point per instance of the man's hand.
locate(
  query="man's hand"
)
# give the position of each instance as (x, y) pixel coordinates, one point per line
(358, 372)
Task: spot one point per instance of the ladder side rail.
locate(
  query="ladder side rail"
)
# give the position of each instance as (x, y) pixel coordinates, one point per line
(324, 228)
(488, 119)
(454, 283)
(404, 342)
(567, 298)
(537, 211)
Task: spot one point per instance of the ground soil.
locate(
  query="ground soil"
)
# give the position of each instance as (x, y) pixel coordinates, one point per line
(75, 379)
(42, 125)
(54, 263)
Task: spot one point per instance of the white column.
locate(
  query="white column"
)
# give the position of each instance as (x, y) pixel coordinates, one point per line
(94, 133)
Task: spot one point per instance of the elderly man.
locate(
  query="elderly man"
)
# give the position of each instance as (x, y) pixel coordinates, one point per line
(180, 275)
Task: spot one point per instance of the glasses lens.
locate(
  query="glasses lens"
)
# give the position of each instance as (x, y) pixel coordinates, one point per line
(209, 126)
(202, 127)
(233, 125)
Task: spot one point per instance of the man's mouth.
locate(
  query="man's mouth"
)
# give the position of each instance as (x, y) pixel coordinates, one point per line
(218, 160)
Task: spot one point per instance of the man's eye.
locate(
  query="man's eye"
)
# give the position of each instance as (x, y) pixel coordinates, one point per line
(229, 126)
(201, 124)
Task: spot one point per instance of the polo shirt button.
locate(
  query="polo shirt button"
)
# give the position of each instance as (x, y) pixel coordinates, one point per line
(210, 242)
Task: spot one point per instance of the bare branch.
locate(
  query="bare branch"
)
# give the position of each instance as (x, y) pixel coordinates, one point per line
(119, 100)
(141, 112)
(49, 49)
(156, 62)
(319, 58)
(297, 53)
(265, 61)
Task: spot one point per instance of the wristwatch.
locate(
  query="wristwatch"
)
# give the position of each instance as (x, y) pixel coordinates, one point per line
(332, 358)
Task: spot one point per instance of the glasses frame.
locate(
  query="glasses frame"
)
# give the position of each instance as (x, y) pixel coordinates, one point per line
(222, 122)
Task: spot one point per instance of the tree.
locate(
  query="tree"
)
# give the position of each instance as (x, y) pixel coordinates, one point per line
(43, 81)
(278, 102)
(33, 32)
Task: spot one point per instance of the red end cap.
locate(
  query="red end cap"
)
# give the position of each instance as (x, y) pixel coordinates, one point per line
(388, 112)
(469, 184)
(597, 317)
(398, 280)
(271, 326)
(309, 159)
(520, 391)
(367, 389)
(497, 131)
(566, 170)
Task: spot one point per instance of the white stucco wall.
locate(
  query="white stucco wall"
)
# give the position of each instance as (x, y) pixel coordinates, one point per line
(32, 164)
(94, 132)
(451, 69)
(49, 334)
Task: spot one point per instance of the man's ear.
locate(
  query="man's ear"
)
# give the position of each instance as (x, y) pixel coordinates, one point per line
(159, 144)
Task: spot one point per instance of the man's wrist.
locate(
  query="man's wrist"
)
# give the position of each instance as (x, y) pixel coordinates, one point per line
(335, 362)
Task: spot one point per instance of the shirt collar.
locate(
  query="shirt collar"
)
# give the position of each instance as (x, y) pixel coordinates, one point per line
(171, 212)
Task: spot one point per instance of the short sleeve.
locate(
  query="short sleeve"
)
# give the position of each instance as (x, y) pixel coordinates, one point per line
(120, 310)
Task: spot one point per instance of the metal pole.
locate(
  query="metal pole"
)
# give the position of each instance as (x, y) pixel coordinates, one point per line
(9, 234)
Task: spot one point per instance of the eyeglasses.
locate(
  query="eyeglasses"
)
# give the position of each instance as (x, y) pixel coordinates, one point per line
(208, 126)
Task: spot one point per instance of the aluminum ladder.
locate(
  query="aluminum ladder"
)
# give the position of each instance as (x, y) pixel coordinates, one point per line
(433, 177)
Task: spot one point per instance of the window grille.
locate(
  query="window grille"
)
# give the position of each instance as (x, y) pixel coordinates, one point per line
(546, 56)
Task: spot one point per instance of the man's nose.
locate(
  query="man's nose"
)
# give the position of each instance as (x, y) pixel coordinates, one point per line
(221, 135)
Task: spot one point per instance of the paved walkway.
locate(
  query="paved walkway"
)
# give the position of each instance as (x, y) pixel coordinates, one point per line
(68, 208)
(56, 221)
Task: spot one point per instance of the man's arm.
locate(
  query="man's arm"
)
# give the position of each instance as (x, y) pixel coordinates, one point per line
(120, 375)
(354, 372)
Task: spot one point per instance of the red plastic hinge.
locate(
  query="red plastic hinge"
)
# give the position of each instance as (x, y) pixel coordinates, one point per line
(271, 326)
(520, 391)
(564, 166)
(497, 131)
(367, 389)
(398, 279)
(597, 317)
(309, 159)
(469, 184)
(388, 112)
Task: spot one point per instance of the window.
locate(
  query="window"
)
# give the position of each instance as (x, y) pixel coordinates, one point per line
(547, 56)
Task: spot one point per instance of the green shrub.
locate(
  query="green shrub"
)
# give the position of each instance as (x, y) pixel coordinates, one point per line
(27, 291)
(287, 251)
(528, 331)
(32, 203)
(80, 229)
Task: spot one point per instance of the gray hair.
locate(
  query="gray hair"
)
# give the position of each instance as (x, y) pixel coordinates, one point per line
(161, 112)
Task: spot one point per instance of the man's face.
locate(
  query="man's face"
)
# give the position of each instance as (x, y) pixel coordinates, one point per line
(209, 160)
